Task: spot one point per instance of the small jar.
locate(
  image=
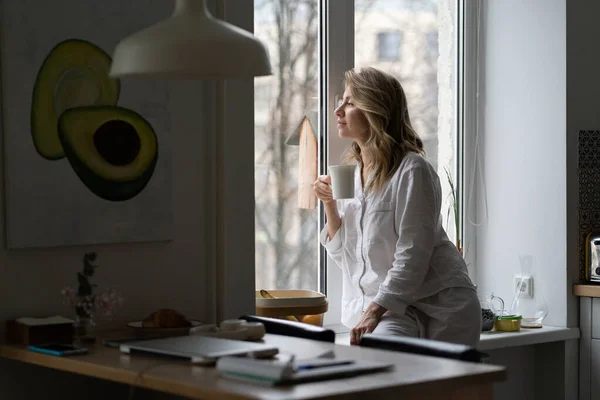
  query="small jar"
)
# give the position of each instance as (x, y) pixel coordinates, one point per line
(491, 307)
(508, 323)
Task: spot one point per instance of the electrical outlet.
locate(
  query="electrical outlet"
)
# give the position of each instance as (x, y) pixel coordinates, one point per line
(526, 286)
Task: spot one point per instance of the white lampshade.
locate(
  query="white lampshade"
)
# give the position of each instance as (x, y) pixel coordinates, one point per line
(191, 44)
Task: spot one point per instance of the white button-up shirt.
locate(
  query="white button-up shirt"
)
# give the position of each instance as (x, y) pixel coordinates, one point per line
(391, 245)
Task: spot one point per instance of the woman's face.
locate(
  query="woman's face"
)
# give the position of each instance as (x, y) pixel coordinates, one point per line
(351, 122)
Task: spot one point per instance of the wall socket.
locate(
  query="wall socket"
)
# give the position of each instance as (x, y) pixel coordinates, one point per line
(526, 287)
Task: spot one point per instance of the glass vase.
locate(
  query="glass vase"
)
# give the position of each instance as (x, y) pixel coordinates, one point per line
(491, 307)
(85, 327)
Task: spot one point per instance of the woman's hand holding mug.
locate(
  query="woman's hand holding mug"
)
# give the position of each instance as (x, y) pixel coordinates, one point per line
(322, 189)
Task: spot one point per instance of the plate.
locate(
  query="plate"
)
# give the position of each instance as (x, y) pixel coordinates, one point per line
(137, 325)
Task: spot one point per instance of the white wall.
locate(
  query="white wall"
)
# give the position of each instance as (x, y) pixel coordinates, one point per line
(199, 274)
(523, 124)
(524, 153)
(147, 274)
(583, 92)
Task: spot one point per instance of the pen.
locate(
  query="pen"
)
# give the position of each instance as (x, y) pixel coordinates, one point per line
(324, 365)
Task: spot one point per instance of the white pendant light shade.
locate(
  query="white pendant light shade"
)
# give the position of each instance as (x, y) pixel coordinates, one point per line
(191, 44)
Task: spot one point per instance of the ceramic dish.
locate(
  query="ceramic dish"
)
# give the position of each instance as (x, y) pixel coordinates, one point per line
(237, 334)
(137, 326)
(232, 329)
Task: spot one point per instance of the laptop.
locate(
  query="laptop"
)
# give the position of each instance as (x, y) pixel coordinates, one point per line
(199, 349)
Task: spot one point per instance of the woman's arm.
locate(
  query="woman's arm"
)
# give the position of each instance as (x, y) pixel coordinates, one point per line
(322, 189)
(330, 237)
(367, 323)
(333, 218)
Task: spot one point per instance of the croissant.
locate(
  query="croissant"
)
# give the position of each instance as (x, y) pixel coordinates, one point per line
(166, 318)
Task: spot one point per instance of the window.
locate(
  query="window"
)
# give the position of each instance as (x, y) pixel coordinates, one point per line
(431, 47)
(388, 46)
(311, 44)
(286, 225)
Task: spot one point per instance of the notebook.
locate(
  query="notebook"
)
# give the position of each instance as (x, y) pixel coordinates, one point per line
(275, 372)
(199, 349)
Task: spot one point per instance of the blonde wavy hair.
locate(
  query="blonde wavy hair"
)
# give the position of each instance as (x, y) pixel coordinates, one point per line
(381, 98)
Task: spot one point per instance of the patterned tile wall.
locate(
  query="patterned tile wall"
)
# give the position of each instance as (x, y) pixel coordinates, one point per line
(589, 190)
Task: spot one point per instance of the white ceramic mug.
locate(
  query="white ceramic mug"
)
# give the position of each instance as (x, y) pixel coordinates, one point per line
(342, 181)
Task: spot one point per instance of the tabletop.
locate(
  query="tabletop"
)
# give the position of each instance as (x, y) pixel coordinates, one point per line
(411, 375)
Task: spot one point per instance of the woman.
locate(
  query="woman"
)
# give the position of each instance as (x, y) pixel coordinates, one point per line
(401, 273)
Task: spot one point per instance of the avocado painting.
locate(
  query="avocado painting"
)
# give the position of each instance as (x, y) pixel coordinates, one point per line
(75, 73)
(87, 157)
(113, 150)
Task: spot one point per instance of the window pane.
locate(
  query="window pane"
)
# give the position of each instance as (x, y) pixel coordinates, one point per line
(427, 75)
(285, 149)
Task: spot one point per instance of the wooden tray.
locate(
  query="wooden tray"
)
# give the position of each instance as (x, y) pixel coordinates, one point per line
(285, 311)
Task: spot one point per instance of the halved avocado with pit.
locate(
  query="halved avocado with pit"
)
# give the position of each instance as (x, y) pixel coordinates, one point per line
(113, 150)
(74, 74)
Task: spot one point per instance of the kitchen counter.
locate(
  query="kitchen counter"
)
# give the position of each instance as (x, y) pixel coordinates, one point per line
(586, 290)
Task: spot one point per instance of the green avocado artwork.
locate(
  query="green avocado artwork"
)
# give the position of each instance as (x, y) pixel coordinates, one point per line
(74, 73)
(113, 150)
(74, 113)
(88, 159)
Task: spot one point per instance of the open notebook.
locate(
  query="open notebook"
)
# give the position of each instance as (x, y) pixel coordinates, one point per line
(276, 372)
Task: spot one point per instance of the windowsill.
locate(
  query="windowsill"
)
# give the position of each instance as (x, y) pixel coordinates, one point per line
(501, 340)
(526, 337)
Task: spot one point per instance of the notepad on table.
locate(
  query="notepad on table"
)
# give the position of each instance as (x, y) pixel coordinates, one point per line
(274, 372)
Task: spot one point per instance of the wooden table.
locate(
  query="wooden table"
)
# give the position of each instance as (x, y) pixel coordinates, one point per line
(413, 376)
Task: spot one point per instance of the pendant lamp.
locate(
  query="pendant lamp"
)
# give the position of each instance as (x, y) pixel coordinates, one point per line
(191, 44)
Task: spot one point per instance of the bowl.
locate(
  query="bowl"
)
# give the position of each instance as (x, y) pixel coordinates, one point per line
(508, 323)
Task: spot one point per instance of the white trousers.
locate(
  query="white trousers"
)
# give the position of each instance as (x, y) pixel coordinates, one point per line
(451, 315)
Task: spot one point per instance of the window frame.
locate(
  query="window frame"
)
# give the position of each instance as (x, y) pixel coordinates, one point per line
(336, 35)
(468, 125)
(337, 50)
(338, 53)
